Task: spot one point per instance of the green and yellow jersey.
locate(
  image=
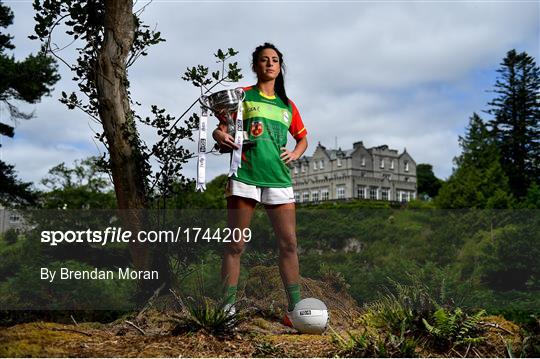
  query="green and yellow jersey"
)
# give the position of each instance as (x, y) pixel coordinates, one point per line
(267, 121)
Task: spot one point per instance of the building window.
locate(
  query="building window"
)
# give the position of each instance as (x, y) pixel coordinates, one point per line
(363, 163)
(295, 170)
(321, 164)
(406, 166)
(382, 162)
(392, 164)
(303, 168)
(361, 192)
(387, 176)
(296, 197)
(305, 196)
(339, 162)
(325, 194)
(315, 196)
(404, 196)
(340, 192)
(406, 179)
(372, 192)
(314, 164)
(384, 193)
(14, 218)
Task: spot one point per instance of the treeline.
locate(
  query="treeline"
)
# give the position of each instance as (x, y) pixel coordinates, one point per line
(499, 166)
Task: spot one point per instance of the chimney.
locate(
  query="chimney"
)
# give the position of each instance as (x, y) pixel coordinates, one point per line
(358, 144)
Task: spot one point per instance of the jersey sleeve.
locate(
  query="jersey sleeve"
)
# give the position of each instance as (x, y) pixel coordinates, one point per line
(297, 128)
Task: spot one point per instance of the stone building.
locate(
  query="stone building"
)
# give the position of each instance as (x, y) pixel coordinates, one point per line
(378, 173)
(11, 219)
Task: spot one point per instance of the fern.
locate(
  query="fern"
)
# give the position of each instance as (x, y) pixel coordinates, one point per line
(454, 328)
(380, 345)
(405, 306)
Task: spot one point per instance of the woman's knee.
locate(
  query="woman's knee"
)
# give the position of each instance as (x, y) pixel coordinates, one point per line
(234, 249)
(288, 246)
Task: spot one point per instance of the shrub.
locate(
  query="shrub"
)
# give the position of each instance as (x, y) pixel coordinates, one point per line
(203, 314)
(11, 236)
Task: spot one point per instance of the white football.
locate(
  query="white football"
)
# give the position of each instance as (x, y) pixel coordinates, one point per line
(310, 316)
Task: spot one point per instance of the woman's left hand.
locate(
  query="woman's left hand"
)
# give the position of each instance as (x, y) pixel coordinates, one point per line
(288, 156)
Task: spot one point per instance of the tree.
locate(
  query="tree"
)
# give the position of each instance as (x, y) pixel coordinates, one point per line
(428, 184)
(212, 198)
(27, 81)
(516, 120)
(14, 192)
(510, 261)
(478, 181)
(83, 186)
(113, 39)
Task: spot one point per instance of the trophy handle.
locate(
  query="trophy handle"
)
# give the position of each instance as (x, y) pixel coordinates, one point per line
(241, 92)
(203, 100)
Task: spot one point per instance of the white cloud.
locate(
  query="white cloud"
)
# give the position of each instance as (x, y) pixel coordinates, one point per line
(404, 74)
(33, 161)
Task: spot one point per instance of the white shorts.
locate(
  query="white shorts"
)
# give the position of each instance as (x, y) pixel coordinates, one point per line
(265, 195)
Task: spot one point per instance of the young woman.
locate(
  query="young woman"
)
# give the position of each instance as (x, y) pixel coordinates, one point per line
(264, 176)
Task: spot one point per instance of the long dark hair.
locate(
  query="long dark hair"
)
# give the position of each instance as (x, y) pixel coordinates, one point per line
(279, 86)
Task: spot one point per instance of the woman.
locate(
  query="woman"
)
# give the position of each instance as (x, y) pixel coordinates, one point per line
(264, 175)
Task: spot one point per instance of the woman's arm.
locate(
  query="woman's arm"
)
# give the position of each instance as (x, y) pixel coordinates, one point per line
(223, 139)
(299, 149)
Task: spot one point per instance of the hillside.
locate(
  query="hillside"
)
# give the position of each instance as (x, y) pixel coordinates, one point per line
(155, 331)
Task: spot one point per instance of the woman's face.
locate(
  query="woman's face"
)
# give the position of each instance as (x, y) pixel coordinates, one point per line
(267, 66)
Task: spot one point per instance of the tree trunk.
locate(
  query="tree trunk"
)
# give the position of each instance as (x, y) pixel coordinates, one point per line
(120, 130)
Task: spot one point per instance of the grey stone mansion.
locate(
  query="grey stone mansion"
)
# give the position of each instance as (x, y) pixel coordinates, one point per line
(377, 173)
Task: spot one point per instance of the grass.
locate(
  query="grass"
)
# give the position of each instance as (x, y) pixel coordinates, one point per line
(405, 316)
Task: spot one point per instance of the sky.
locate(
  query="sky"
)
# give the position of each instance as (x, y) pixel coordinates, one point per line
(407, 74)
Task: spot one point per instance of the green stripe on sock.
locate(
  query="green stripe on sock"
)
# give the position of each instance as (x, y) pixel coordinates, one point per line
(230, 294)
(293, 294)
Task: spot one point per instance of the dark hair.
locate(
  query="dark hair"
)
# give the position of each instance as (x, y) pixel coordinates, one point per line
(279, 86)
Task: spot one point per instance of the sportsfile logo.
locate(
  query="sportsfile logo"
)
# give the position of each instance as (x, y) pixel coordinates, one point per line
(305, 312)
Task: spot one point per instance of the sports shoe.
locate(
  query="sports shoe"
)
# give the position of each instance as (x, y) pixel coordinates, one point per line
(287, 319)
(229, 309)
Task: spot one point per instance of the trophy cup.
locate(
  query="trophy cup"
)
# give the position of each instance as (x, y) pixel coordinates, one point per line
(223, 104)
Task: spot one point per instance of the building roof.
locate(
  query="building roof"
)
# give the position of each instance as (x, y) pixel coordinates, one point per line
(333, 154)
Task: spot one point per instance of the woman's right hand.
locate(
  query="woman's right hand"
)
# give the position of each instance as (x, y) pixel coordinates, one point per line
(223, 139)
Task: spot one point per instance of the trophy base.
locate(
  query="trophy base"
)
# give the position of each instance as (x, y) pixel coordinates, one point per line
(246, 145)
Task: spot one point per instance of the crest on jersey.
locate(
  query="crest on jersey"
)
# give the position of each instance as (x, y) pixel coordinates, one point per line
(257, 128)
(286, 117)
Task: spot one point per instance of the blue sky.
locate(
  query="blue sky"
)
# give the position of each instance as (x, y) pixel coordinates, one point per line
(405, 74)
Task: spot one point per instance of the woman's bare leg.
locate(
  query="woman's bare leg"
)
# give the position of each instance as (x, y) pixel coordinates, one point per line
(239, 213)
(283, 218)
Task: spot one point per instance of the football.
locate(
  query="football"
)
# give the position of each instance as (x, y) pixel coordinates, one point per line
(310, 316)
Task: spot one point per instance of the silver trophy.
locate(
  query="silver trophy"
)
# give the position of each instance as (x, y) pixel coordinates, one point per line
(223, 104)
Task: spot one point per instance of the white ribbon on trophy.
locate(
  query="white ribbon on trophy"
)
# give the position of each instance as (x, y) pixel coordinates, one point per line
(201, 163)
(238, 140)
